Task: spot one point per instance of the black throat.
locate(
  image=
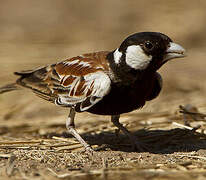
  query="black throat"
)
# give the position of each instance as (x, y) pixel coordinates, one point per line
(124, 73)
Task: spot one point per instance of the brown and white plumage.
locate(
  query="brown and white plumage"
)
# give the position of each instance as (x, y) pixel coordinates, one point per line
(81, 80)
(106, 82)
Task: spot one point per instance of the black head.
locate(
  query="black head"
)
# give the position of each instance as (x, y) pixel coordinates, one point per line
(151, 42)
(144, 49)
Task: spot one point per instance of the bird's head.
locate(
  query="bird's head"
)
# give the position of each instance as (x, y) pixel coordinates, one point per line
(145, 50)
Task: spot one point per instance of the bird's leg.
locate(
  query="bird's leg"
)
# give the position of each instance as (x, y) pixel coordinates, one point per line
(136, 145)
(71, 129)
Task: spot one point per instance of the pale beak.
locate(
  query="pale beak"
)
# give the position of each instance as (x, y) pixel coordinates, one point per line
(174, 51)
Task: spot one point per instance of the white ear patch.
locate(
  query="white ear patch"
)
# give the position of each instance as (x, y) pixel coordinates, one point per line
(136, 58)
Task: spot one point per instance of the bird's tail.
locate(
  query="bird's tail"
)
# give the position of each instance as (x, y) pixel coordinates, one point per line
(9, 87)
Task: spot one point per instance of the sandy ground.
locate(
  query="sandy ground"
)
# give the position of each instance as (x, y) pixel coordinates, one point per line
(33, 139)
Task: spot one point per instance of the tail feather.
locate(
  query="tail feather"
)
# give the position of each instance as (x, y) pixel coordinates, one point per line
(8, 87)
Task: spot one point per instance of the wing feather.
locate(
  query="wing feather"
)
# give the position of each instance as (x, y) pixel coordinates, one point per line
(81, 81)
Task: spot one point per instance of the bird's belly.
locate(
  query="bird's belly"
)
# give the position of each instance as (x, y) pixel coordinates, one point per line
(120, 101)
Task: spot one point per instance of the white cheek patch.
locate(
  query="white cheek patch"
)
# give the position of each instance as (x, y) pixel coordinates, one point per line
(136, 58)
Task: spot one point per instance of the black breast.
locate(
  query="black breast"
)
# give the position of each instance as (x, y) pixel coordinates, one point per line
(123, 99)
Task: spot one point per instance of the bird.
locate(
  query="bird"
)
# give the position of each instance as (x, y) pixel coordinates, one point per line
(105, 82)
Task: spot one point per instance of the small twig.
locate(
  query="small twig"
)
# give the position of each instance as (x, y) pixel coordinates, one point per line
(10, 165)
(59, 175)
(94, 172)
(20, 142)
(189, 156)
(104, 163)
(23, 175)
(182, 126)
(5, 155)
(65, 139)
(185, 111)
(104, 168)
(16, 147)
(193, 113)
(77, 146)
(196, 129)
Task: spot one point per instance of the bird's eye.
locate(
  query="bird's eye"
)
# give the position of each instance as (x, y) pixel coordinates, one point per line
(148, 45)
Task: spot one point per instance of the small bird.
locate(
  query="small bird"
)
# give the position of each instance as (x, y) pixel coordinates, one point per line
(105, 82)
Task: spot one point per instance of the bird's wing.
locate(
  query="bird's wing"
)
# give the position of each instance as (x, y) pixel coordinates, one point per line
(81, 81)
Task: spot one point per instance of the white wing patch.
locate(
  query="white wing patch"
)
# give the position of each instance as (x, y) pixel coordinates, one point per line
(101, 82)
(95, 87)
(68, 63)
(84, 64)
(77, 62)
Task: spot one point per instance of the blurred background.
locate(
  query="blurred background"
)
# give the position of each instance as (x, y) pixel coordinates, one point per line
(35, 33)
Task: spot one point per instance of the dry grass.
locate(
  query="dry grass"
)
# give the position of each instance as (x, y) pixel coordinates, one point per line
(173, 147)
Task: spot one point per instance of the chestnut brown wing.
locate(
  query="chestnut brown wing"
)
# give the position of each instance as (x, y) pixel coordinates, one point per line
(81, 80)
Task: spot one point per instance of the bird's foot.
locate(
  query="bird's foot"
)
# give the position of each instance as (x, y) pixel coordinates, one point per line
(89, 149)
(137, 145)
(103, 147)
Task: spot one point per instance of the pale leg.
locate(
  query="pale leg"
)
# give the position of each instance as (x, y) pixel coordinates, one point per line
(71, 129)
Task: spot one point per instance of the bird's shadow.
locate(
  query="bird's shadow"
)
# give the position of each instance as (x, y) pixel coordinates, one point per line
(156, 141)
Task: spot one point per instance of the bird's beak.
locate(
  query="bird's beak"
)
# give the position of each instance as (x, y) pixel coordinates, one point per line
(174, 51)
